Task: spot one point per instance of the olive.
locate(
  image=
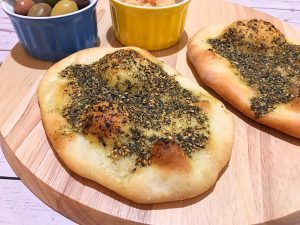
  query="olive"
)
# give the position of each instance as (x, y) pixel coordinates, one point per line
(82, 3)
(22, 6)
(38, 1)
(39, 10)
(64, 7)
(51, 2)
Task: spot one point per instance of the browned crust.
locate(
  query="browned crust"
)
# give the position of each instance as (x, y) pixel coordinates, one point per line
(149, 184)
(105, 121)
(168, 155)
(217, 73)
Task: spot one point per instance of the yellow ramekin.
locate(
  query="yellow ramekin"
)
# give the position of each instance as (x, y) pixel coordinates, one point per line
(151, 28)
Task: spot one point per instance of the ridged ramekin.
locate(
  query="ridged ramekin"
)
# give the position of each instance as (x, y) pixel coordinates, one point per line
(151, 28)
(53, 38)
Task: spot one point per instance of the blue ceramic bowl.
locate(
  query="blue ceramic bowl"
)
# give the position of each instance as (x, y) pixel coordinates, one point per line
(54, 38)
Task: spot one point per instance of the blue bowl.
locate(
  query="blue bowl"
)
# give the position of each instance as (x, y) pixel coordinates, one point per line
(54, 38)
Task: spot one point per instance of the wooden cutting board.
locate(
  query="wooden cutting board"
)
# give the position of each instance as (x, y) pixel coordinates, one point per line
(261, 182)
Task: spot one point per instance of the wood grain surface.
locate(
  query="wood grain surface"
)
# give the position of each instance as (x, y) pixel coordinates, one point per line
(259, 185)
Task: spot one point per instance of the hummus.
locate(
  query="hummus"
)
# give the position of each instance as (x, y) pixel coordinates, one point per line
(151, 2)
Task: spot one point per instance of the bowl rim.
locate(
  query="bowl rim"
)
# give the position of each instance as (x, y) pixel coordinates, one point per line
(3, 3)
(152, 7)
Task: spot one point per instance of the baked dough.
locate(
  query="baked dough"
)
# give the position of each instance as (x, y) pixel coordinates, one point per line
(171, 175)
(221, 71)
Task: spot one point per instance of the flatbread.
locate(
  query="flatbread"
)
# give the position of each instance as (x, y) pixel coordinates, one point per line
(254, 67)
(98, 133)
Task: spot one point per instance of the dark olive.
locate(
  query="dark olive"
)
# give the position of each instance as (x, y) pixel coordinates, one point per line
(38, 1)
(82, 3)
(39, 10)
(51, 2)
(22, 6)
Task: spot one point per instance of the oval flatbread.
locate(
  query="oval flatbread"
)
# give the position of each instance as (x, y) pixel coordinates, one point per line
(254, 67)
(130, 122)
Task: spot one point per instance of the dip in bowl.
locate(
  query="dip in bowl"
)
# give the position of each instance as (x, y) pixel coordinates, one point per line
(149, 26)
(151, 2)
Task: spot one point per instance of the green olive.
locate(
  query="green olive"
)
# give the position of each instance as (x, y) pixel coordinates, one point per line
(39, 10)
(51, 2)
(64, 7)
(22, 6)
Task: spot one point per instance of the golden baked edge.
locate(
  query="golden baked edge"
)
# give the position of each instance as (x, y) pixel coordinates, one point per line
(150, 184)
(216, 72)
